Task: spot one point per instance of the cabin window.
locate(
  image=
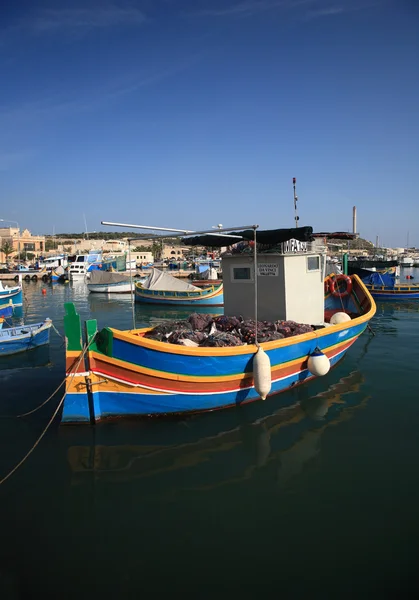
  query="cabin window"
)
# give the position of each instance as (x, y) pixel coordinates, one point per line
(313, 263)
(242, 274)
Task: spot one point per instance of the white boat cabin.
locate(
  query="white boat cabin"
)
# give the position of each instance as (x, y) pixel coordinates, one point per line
(290, 284)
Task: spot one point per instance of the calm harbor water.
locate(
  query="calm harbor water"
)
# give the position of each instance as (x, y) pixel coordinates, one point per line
(313, 493)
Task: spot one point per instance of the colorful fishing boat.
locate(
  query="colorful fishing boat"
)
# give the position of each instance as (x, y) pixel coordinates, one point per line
(58, 275)
(383, 287)
(25, 337)
(399, 292)
(125, 373)
(13, 294)
(162, 288)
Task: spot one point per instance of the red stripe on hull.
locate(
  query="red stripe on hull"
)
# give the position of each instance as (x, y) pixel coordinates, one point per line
(71, 361)
(131, 377)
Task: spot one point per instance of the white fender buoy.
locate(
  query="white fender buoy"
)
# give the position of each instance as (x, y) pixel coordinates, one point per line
(339, 317)
(262, 373)
(318, 364)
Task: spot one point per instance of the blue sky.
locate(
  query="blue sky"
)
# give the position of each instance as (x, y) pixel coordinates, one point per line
(189, 113)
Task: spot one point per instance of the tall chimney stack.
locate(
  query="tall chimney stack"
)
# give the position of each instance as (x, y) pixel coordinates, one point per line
(354, 220)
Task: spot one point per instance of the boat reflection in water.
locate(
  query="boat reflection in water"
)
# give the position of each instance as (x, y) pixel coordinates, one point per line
(389, 308)
(37, 357)
(287, 439)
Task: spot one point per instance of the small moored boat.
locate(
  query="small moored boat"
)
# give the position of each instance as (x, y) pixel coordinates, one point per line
(24, 337)
(58, 275)
(13, 293)
(108, 282)
(162, 288)
(383, 286)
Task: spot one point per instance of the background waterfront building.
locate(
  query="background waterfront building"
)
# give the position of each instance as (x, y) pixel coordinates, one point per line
(22, 242)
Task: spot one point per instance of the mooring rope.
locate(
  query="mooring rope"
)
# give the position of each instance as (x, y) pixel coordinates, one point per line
(34, 410)
(26, 414)
(56, 331)
(73, 374)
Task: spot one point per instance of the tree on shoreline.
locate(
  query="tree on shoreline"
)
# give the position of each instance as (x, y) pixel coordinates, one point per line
(7, 249)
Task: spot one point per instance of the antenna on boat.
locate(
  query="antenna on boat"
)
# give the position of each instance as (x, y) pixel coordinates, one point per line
(296, 217)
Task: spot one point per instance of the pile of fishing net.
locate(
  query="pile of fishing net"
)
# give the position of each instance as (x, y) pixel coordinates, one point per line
(207, 331)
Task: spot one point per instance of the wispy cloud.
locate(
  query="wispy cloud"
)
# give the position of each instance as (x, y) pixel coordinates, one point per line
(309, 9)
(247, 8)
(317, 13)
(320, 11)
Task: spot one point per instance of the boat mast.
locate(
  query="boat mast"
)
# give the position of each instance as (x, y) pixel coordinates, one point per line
(85, 226)
(296, 217)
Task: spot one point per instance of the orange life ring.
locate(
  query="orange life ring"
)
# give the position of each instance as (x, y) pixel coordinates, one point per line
(334, 288)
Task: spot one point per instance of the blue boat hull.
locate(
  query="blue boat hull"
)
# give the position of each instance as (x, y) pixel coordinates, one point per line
(108, 404)
(394, 296)
(14, 295)
(20, 343)
(6, 310)
(113, 404)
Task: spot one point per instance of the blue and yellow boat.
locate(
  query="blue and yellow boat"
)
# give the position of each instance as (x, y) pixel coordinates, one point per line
(125, 373)
(131, 375)
(162, 289)
(383, 287)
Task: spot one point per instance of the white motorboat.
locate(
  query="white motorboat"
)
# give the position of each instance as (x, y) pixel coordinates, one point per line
(79, 267)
